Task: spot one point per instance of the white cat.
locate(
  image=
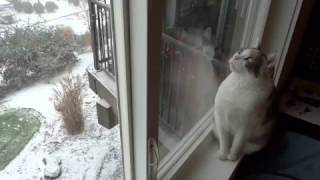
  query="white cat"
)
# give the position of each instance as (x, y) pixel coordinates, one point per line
(200, 39)
(242, 103)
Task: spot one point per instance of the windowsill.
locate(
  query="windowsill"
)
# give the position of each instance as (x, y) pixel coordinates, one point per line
(204, 164)
(195, 156)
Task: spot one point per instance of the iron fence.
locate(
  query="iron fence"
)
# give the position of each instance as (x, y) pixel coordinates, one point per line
(102, 36)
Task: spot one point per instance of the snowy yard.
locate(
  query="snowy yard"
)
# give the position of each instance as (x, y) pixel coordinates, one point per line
(81, 155)
(93, 154)
(17, 127)
(66, 15)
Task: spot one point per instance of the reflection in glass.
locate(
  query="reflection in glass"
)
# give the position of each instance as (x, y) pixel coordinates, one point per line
(197, 38)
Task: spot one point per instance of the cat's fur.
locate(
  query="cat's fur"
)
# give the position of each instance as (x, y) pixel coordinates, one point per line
(241, 105)
(200, 39)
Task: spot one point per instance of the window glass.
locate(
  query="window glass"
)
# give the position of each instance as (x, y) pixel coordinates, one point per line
(198, 36)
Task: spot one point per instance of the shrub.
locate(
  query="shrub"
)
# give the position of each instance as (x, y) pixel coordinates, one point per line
(84, 40)
(17, 5)
(27, 7)
(38, 8)
(51, 6)
(32, 53)
(66, 33)
(74, 2)
(68, 102)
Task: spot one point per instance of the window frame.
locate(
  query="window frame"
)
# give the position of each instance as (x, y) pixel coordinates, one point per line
(122, 64)
(131, 25)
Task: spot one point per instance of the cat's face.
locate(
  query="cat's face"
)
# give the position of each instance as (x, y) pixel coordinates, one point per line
(200, 40)
(251, 61)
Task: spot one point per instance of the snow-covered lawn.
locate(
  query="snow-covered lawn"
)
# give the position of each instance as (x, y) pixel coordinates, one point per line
(82, 154)
(66, 15)
(17, 127)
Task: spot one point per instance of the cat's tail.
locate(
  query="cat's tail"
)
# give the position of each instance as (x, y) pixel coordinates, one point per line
(252, 147)
(261, 138)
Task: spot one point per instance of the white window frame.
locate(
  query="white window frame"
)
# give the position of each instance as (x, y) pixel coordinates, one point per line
(131, 52)
(122, 47)
(279, 32)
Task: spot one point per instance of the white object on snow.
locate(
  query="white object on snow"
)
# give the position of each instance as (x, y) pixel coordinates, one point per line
(52, 167)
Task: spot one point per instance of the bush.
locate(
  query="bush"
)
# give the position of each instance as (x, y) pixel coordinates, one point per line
(32, 53)
(68, 102)
(84, 40)
(66, 33)
(51, 6)
(74, 2)
(17, 5)
(27, 7)
(38, 8)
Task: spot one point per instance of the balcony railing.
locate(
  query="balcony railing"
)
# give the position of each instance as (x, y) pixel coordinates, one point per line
(102, 78)
(102, 36)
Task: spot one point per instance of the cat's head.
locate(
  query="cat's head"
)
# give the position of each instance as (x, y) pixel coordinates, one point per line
(200, 39)
(252, 61)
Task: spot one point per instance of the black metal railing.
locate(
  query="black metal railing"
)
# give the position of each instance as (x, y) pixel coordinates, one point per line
(102, 36)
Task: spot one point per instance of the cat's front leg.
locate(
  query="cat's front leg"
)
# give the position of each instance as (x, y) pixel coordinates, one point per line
(224, 143)
(238, 143)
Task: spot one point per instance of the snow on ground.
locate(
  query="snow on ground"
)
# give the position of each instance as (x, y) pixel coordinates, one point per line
(67, 15)
(42, 90)
(3, 2)
(80, 154)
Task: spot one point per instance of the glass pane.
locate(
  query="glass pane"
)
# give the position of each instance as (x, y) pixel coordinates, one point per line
(197, 38)
(49, 116)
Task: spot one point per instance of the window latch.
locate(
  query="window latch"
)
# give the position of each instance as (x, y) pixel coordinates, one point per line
(153, 159)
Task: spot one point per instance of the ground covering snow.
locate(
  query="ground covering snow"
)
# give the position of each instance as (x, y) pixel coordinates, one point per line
(94, 154)
(67, 14)
(82, 154)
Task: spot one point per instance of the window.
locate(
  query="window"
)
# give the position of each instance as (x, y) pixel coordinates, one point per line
(197, 39)
(159, 57)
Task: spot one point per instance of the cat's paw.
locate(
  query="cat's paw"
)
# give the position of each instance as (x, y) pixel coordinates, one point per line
(223, 156)
(233, 157)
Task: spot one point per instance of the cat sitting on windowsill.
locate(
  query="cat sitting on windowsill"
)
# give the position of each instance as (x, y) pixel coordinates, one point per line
(242, 122)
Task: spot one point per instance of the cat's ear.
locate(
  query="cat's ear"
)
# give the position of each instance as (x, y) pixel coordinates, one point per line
(183, 35)
(271, 63)
(207, 33)
(259, 47)
(259, 44)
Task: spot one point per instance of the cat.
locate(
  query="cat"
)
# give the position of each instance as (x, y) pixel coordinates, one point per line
(189, 77)
(241, 119)
(201, 40)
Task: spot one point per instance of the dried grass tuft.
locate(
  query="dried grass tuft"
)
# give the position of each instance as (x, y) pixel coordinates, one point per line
(68, 100)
